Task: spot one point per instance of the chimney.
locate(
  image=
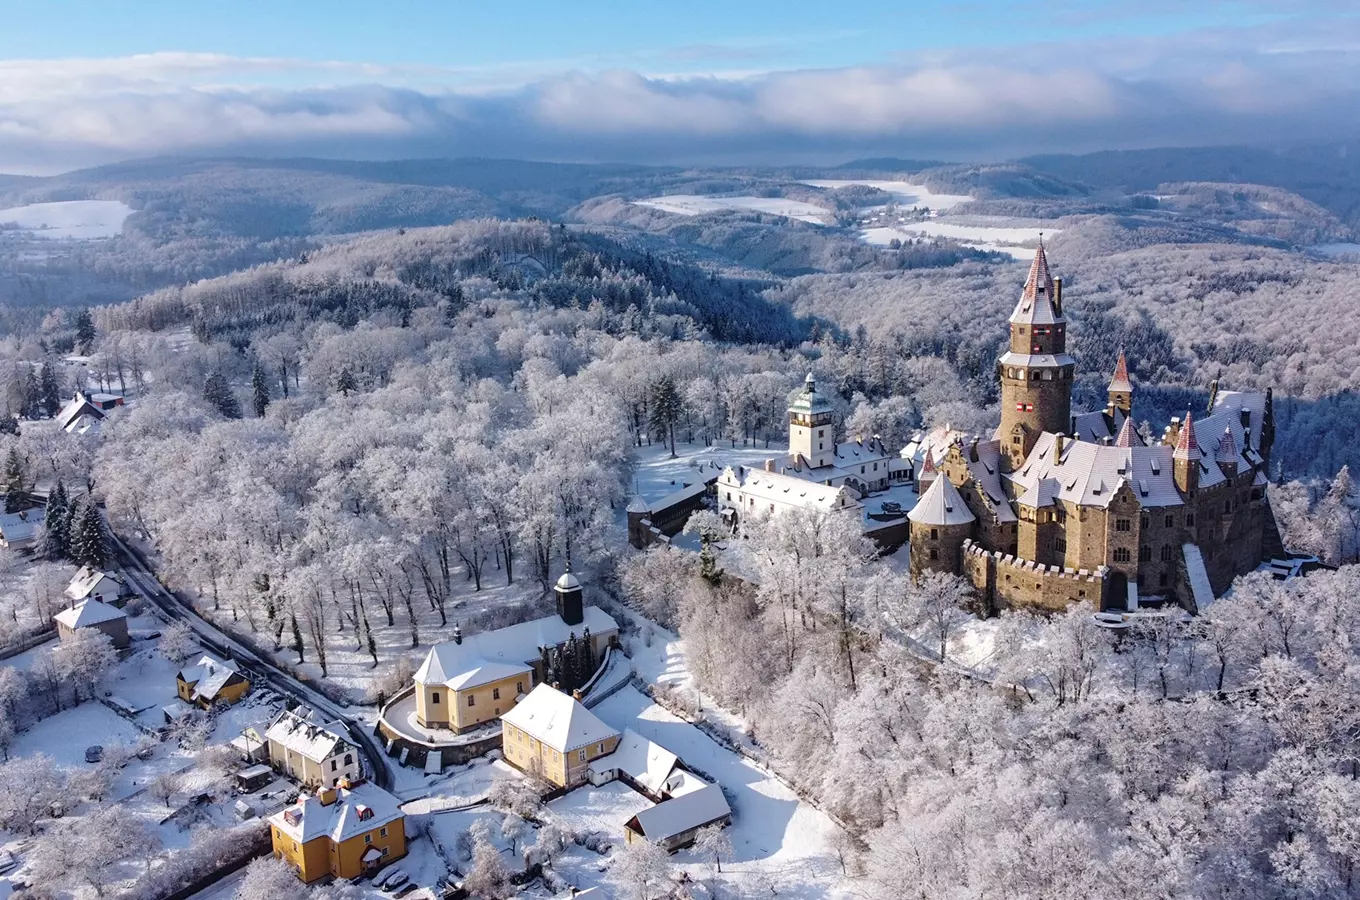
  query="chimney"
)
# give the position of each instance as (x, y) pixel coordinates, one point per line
(327, 796)
(973, 451)
(1057, 295)
(1058, 441)
(576, 694)
(769, 465)
(457, 634)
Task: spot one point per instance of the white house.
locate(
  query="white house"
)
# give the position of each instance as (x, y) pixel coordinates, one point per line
(313, 753)
(94, 584)
(93, 614)
(758, 493)
(20, 530)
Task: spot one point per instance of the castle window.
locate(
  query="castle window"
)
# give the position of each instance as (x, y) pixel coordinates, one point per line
(1189, 518)
(1170, 521)
(434, 698)
(934, 534)
(1167, 551)
(519, 687)
(1227, 506)
(934, 554)
(1122, 524)
(1060, 544)
(821, 432)
(1121, 554)
(729, 496)
(1145, 520)
(1163, 579)
(495, 693)
(1145, 553)
(472, 700)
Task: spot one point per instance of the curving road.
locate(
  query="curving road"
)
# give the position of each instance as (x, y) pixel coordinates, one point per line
(143, 578)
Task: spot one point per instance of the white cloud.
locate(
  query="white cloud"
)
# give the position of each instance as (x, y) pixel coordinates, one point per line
(1201, 88)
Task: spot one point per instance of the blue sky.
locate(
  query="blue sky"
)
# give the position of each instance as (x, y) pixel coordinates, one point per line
(90, 82)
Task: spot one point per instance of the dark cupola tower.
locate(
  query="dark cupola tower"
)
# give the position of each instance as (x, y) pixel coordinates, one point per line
(569, 599)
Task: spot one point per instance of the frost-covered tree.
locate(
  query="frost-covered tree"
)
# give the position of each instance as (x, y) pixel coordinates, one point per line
(666, 409)
(489, 875)
(259, 390)
(271, 879)
(642, 870)
(177, 642)
(217, 391)
(85, 658)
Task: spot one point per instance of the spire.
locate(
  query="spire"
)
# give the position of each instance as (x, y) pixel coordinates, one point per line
(928, 467)
(1127, 436)
(1037, 301)
(1227, 448)
(1187, 447)
(1120, 381)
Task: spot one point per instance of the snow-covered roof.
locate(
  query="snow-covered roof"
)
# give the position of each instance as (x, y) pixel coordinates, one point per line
(941, 505)
(1089, 474)
(860, 452)
(929, 450)
(788, 489)
(1036, 300)
(1120, 383)
(87, 580)
(208, 676)
(1255, 405)
(1097, 425)
(88, 613)
(315, 741)
(682, 814)
(807, 400)
(21, 526)
(558, 720)
(1210, 433)
(356, 809)
(638, 505)
(1011, 358)
(568, 582)
(647, 763)
(503, 653)
(76, 407)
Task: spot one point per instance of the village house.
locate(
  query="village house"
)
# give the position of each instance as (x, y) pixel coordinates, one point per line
(746, 494)
(675, 823)
(21, 530)
(342, 832)
(551, 735)
(82, 415)
(477, 678)
(318, 755)
(252, 744)
(211, 681)
(1064, 507)
(92, 583)
(95, 615)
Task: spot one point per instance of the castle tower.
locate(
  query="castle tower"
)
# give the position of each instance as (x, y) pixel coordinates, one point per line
(940, 523)
(1036, 372)
(1185, 458)
(810, 430)
(570, 605)
(1121, 389)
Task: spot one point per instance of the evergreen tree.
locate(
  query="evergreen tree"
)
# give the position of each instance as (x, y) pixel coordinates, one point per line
(9, 424)
(345, 383)
(84, 331)
(14, 482)
(298, 646)
(218, 393)
(259, 388)
(89, 542)
(666, 409)
(55, 543)
(50, 389)
(33, 399)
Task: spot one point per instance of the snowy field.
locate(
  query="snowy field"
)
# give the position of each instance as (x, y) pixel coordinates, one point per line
(1342, 249)
(903, 194)
(1019, 242)
(695, 205)
(69, 219)
(655, 474)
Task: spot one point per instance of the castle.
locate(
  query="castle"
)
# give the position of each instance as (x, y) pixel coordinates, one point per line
(1056, 507)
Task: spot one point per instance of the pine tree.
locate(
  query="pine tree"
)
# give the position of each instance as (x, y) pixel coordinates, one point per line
(298, 646)
(14, 476)
(50, 389)
(666, 409)
(259, 388)
(218, 393)
(33, 400)
(84, 331)
(55, 542)
(88, 540)
(345, 383)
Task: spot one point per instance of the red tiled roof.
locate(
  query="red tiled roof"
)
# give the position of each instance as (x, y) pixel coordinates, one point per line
(1120, 381)
(1187, 447)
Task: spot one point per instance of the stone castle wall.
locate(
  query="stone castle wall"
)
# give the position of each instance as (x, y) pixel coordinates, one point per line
(1005, 580)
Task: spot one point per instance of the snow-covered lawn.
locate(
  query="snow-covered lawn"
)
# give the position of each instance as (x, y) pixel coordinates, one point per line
(903, 194)
(65, 736)
(1341, 249)
(75, 219)
(694, 204)
(655, 474)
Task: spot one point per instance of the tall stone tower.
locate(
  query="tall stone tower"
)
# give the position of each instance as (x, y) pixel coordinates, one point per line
(1036, 372)
(811, 433)
(1121, 389)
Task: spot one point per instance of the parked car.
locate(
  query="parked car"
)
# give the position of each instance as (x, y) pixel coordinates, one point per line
(94, 754)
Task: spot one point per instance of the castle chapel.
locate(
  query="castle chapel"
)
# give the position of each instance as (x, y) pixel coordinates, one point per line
(1059, 507)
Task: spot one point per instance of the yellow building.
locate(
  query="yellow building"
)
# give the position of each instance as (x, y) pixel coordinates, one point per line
(210, 681)
(475, 679)
(552, 736)
(342, 831)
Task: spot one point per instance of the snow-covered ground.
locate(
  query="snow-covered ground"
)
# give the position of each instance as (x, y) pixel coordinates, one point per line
(694, 205)
(984, 233)
(73, 219)
(1341, 249)
(903, 194)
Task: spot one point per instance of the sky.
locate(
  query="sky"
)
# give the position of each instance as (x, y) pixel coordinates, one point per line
(86, 83)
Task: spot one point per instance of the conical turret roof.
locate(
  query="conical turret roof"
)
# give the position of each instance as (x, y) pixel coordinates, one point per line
(1187, 446)
(941, 505)
(1120, 381)
(1036, 300)
(1127, 436)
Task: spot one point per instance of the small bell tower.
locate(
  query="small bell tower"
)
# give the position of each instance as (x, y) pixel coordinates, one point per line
(811, 431)
(570, 599)
(1185, 459)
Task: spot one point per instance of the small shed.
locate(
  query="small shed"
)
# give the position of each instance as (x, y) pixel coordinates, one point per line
(253, 778)
(673, 824)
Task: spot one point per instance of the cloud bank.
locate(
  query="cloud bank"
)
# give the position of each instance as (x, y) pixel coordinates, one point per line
(1258, 86)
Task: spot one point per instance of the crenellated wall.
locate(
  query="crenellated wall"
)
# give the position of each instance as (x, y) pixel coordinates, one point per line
(1005, 580)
